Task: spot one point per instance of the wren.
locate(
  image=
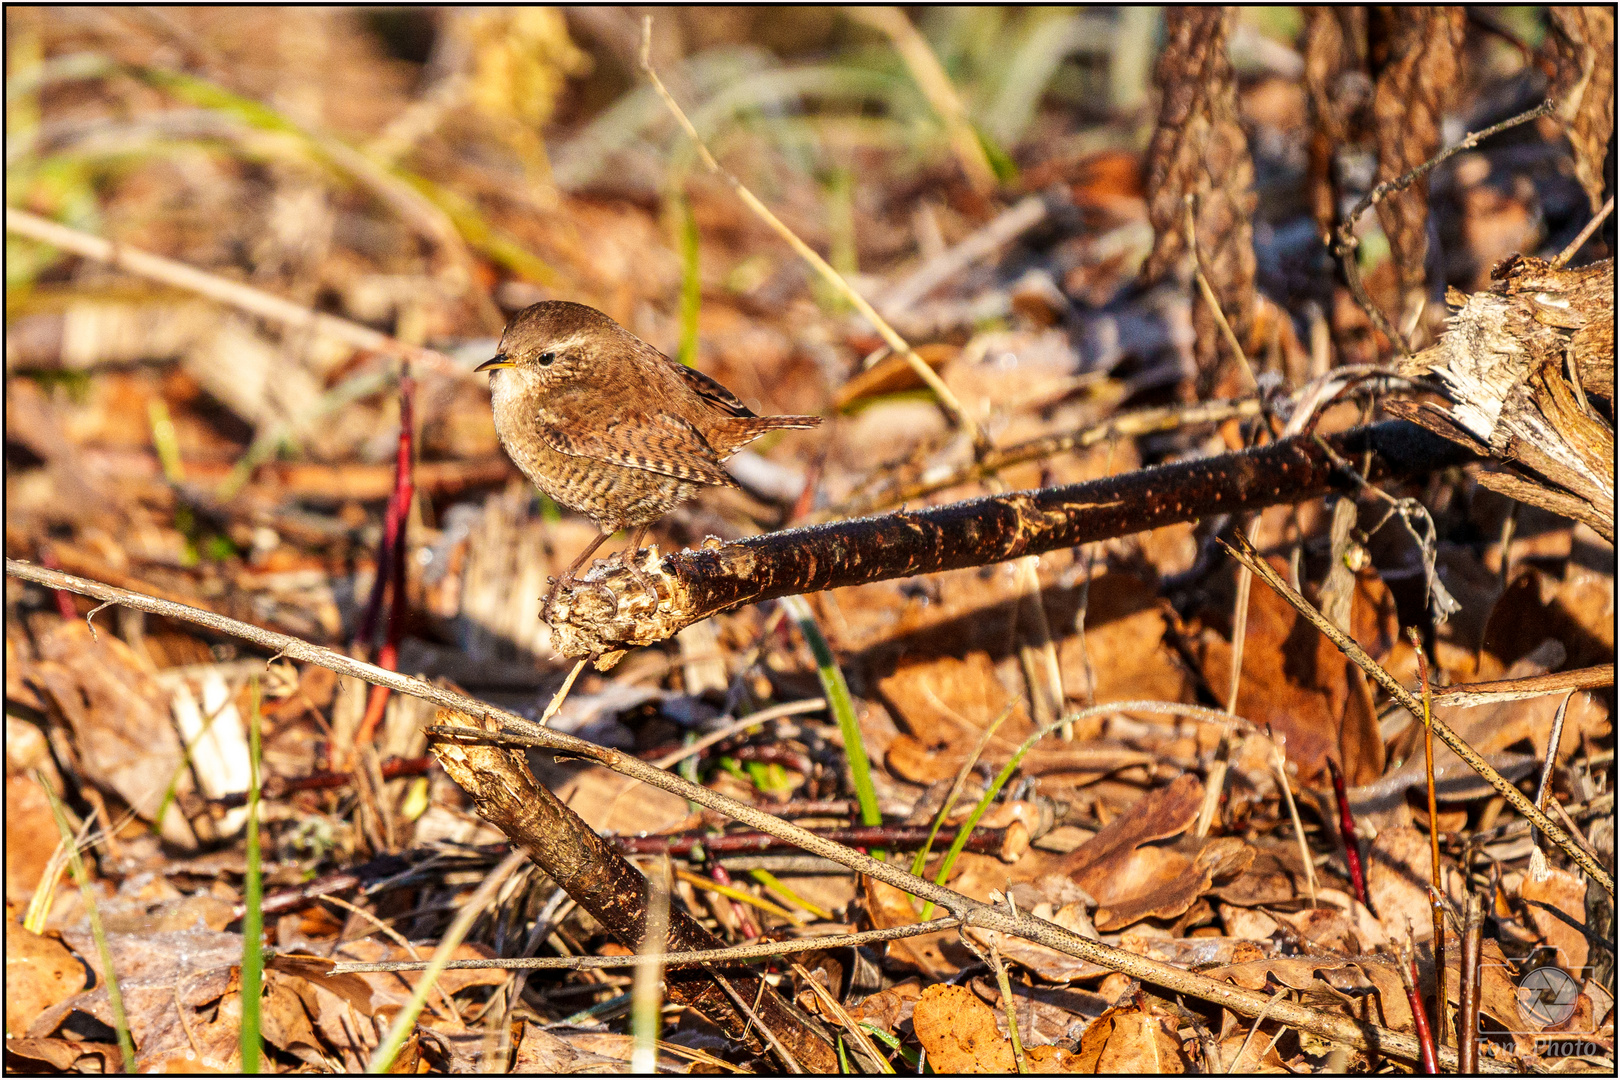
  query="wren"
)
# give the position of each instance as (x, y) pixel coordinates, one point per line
(608, 426)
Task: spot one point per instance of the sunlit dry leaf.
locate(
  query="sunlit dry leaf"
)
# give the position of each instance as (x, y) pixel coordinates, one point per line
(67, 1055)
(1049, 964)
(959, 1032)
(1129, 1040)
(40, 971)
(539, 1052)
(888, 906)
(1567, 893)
(1398, 876)
(119, 716)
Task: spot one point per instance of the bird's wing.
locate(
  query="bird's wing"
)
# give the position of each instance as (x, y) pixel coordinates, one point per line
(709, 390)
(657, 442)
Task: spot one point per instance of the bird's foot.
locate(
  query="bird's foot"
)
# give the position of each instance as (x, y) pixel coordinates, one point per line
(631, 563)
(551, 595)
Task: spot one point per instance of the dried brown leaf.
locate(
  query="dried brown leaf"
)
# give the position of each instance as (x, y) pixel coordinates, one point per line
(959, 1032)
(1131, 1040)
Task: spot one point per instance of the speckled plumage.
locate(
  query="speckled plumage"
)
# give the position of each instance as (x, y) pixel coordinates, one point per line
(608, 426)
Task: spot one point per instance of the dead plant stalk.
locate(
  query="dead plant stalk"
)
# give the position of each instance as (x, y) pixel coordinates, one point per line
(1347, 645)
(943, 393)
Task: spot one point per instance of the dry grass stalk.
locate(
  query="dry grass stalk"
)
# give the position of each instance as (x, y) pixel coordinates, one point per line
(943, 393)
(1503, 786)
(243, 297)
(936, 87)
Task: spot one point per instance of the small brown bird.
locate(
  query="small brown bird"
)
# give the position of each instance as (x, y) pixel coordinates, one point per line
(607, 425)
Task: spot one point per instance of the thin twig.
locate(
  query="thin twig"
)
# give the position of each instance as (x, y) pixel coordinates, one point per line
(863, 1042)
(1472, 695)
(398, 939)
(1347, 833)
(1538, 866)
(391, 560)
(1347, 645)
(244, 297)
(761, 950)
(774, 712)
(389, 1048)
(1209, 298)
(1437, 889)
(1007, 226)
(1583, 236)
(920, 861)
(1258, 1020)
(1469, 975)
(1004, 986)
(561, 695)
(1279, 763)
(1406, 964)
(972, 912)
(1125, 425)
(947, 399)
(1345, 239)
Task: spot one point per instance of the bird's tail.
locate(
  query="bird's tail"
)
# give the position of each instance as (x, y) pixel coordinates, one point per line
(739, 431)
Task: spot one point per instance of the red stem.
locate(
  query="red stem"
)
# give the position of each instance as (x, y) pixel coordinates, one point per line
(64, 599)
(391, 562)
(1428, 1063)
(745, 920)
(1347, 828)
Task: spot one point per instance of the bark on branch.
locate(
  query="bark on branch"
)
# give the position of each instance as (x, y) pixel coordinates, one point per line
(609, 610)
(1518, 365)
(604, 883)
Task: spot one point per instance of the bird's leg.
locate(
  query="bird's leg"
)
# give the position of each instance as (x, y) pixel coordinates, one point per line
(634, 566)
(568, 575)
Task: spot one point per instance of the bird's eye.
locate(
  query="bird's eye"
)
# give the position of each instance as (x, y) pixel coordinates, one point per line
(546, 358)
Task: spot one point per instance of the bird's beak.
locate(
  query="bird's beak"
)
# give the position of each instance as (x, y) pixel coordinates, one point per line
(497, 361)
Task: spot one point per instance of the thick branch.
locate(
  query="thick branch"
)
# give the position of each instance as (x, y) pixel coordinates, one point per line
(610, 610)
(605, 884)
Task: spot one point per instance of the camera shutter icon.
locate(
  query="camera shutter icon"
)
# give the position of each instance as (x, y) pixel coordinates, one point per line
(1548, 996)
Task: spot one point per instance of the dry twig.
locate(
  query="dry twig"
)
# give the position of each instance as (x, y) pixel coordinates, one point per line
(244, 297)
(947, 399)
(1347, 645)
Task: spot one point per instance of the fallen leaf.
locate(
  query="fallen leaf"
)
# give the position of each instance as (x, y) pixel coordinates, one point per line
(1399, 871)
(1128, 1040)
(119, 715)
(888, 906)
(1561, 890)
(1133, 880)
(959, 1032)
(1296, 682)
(40, 971)
(539, 1052)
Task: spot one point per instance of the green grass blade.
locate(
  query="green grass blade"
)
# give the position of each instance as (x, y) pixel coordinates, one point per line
(691, 281)
(115, 997)
(945, 808)
(383, 1058)
(252, 900)
(836, 691)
